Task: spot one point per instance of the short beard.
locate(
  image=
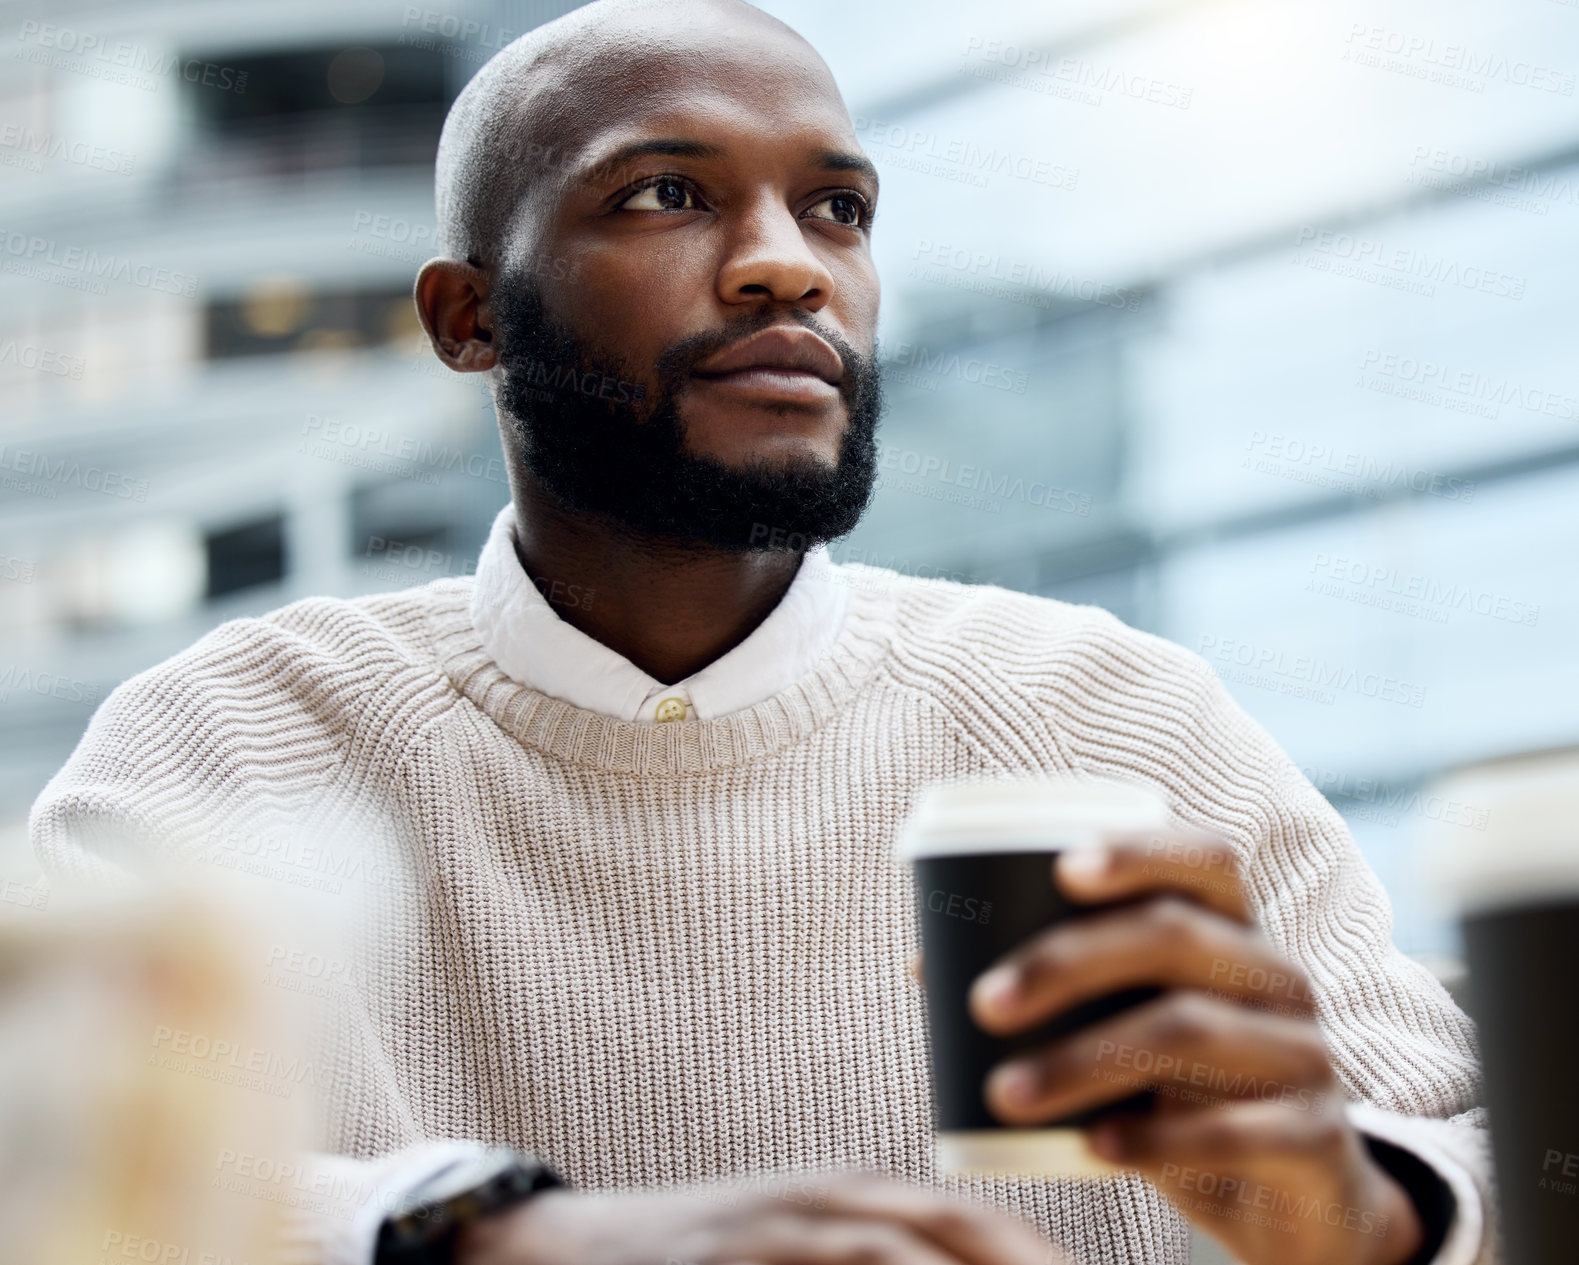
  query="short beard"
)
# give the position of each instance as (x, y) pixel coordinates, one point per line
(593, 439)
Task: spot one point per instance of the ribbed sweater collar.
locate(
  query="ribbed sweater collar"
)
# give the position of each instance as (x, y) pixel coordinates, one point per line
(678, 748)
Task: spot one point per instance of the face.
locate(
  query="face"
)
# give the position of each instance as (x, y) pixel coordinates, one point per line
(685, 309)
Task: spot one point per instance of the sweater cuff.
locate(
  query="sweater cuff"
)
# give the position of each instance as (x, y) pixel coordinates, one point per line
(1444, 1192)
(387, 1182)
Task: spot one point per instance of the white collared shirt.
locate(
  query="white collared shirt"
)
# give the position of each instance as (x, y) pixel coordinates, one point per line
(525, 636)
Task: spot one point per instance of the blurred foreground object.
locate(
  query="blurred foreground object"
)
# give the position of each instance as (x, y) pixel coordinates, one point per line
(1516, 890)
(138, 1050)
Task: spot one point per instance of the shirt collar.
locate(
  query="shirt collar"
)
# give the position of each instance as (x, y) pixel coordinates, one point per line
(525, 636)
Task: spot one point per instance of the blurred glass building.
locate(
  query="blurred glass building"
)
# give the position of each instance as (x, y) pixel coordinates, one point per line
(1248, 322)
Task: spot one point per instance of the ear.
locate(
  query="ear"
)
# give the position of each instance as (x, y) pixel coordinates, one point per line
(452, 303)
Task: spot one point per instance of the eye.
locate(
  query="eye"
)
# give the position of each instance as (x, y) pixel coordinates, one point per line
(662, 193)
(845, 207)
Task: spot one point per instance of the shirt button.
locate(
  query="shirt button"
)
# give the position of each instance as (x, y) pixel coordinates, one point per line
(671, 709)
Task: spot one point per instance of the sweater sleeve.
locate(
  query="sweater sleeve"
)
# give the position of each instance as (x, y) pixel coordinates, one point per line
(1136, 705)
(343, 1228)
(237, 733)
(174, 761)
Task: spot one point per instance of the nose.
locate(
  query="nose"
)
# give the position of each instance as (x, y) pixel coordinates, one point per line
(769, 261)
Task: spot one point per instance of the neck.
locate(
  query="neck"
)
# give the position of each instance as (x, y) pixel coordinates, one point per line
(670, 609)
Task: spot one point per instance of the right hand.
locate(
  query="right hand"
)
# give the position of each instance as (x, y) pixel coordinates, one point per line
(821, 1219)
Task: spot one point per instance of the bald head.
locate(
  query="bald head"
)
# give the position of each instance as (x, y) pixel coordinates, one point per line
(528, 119)
(628, 198)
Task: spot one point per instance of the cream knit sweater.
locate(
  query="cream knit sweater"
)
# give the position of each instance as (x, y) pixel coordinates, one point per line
(664, 954)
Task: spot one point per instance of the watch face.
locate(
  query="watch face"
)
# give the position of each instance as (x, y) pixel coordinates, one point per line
(460, 1194)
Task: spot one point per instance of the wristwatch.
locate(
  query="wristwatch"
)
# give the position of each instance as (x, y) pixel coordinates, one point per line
(422, 1230)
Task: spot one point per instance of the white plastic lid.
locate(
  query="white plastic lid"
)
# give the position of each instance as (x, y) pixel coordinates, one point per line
(1025, 814)
(1525, 850)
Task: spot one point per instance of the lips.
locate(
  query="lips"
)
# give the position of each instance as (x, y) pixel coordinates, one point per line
(781, 348)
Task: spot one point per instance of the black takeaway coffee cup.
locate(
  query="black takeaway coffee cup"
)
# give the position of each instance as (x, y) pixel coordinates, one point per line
(1513, 878)
(983, 856)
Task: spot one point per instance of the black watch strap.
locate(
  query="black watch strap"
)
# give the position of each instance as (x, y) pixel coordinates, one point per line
(421, 1231)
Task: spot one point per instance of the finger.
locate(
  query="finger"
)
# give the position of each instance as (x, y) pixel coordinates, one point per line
(1184, 1044)
(915, 968)
(1245, 1169)
(1225, 1138)
(974, 1234)
(1165, 941)
(1202, 866)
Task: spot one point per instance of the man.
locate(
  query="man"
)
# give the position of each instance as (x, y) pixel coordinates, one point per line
(649, 762)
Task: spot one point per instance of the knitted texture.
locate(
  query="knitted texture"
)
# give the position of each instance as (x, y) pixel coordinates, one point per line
(665, 954)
